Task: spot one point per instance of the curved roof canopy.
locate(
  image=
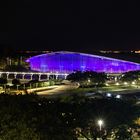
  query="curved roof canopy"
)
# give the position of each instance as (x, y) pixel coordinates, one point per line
(67, 62)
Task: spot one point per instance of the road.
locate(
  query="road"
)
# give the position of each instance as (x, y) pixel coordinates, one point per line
(57, 90)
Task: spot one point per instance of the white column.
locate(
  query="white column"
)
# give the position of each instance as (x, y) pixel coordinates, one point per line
(7, 75)
(31, 76)
(15, 75)
(48, 76)
(116, 78)
(65, 76)
(39, 77)
(23, 75)
(56, 76)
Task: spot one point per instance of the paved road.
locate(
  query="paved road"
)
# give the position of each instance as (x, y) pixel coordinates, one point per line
(57, 90)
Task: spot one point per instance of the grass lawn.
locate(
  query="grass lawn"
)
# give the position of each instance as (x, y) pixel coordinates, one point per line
(112, 88)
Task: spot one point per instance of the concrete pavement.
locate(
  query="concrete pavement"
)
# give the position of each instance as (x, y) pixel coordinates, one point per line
(57, 90)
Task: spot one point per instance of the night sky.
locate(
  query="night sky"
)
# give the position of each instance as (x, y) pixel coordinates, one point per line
(71, 25)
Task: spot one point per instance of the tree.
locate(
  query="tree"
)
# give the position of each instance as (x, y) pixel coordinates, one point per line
(77, 76)
(99, 78)
(31, 117)
(123, 132)
(130, 76)
(3, 81)
(33, 83)
(16, 82)
(17, 131)
(88, 78)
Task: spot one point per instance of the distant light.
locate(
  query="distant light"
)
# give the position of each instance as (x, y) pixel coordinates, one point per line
(107, 84)
(9, 84)
(125, 83)
(89, 80)
(100, 123)
(137, 51)
(117, 84)
(108, 95)
(116, 78)
(133, 83)
(118, 96)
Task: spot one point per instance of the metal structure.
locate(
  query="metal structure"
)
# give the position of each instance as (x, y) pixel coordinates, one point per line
(31, 74)
(68, 62)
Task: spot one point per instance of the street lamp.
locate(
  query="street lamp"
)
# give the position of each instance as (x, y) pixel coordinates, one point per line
(89, 80)
(117, 84)
(100, 123)
(125, 83)
(133, 83)
(107, 84)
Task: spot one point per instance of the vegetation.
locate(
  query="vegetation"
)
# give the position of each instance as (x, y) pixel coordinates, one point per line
(29, 117)
(130, 76)
(16, 82)
(88, 78)
(3, 81)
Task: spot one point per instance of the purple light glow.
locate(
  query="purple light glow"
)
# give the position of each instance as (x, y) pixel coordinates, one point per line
(67, 62)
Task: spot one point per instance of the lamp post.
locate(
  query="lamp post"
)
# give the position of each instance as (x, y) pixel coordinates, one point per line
(100, 123)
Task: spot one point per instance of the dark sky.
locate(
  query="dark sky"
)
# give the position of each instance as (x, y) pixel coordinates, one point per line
(70, 25)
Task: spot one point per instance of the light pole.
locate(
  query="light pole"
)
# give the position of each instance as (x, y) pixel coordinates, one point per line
(100, 123)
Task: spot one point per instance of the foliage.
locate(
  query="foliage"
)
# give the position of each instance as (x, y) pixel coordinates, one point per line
(34, 81)
(16, 82)
(3, 81)
(88, 78)
(123, 132)
(130, 76)
(28, 117)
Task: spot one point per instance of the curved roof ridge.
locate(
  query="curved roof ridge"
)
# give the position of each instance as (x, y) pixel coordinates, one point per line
(92, 55)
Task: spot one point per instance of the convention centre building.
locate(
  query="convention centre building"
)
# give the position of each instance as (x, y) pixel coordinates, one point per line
(68, 62)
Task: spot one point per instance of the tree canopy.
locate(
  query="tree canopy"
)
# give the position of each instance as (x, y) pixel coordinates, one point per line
(16, 82)
(87, 78)
(3, 81)
(28, 117)
(131, 76)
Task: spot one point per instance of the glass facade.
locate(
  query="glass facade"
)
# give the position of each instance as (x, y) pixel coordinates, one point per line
(67, 62)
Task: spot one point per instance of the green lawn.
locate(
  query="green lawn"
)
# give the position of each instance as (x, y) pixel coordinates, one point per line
(112, 88)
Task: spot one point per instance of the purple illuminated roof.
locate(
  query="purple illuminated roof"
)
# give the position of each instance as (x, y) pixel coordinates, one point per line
(67, 62)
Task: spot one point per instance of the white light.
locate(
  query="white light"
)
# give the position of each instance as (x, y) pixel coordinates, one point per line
(133, 83)
(107, 84)
(100, 123)
(117, 84)
(118, 96)
(125, 83)
(115, 78)
(89, 80)
(108, 95)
